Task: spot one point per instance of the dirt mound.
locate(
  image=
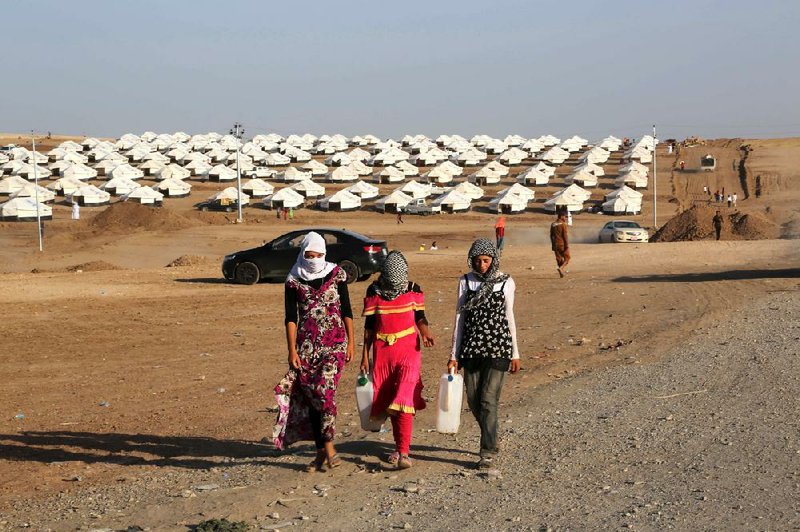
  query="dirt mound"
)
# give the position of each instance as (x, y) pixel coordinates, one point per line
(93, 266)
(697, 224)
(126, 216)
(189, 260)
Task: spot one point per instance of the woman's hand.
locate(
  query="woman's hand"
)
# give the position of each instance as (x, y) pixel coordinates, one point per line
(294, 360)
(365, 365)
(425, 332)
(514, 366)
(350, 352)
(452, 364)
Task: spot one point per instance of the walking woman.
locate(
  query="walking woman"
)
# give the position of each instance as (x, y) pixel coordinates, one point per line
(485, 339)
(319, 335)
(395, 319)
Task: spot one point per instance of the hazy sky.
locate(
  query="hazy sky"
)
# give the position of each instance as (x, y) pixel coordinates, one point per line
(714, 68)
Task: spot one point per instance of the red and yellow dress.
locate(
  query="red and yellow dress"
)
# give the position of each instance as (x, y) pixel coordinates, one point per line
(396, 355)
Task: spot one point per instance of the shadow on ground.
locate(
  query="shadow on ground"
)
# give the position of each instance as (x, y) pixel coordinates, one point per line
(702, 277)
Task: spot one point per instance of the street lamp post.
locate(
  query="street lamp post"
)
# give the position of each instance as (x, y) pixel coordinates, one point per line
(238, 132)
(36, 191)
(655, 178)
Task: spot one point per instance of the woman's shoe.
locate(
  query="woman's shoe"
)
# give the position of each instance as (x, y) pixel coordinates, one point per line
(334, 461)
(393, 458)
(317, 463)
(404, 462)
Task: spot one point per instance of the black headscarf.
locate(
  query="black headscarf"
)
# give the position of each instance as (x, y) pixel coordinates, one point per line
(484, 246)
(394, 276)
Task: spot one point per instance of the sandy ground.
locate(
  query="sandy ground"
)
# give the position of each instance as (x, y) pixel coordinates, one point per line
(138, 385)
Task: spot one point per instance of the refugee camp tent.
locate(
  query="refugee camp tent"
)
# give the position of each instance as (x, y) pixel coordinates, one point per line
(32, 172)
(90, 196)
(339, 159)
(469, 190)
(294, 174)
(309, 189)
(340, 201)
(622, 205)
(390, 174)
(257, 188)
(438, 174)
(591, 168)
(610, 143)
(393, 202)
(519, 190)
(31, 190)
(430, 157)
(595, 155)
(12, 184)
(173, 171)
(632, 179)
(416, 190)
(549, 140)
(470, 157)
(120, 186)
(359, 154)
(126, 170)
(24, 210)
(284, 198)
(199, 169)
(315, 167)
(151, 167)
(297, 155)
(81, 171)
(582, 177)
(532, 176)
(407, 168)
(227, 196)
(363, 190)
(508, 203)
(343, 173)
(220, 173)
(532, 146)
(624, 191)
(145, 196)
(360, 168)
(59, 166)
(485, 176)
(174, 188)
(570, 198)
(276, 159)
(64, 186)
(513, 157)
(555, 155)
(634, 166)
(453, 202)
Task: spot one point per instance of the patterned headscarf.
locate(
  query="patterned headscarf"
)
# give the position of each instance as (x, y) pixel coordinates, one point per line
(484, 246)
(394, 276)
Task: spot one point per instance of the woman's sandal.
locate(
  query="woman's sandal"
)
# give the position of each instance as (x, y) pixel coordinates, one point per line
(334, 461)
(317, 463)
(404, 462)
(393, 458)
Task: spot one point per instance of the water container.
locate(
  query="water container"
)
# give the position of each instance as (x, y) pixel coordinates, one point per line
(364, 395)
(451, 394)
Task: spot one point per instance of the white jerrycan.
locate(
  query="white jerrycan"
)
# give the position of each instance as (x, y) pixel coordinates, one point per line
(364, 395)
(451, 395)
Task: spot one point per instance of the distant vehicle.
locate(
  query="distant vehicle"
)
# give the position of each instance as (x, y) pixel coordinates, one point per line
(358, 255)
(419, 206)
(708, 163)
(623, 231)
(7, 148)
(219, 205)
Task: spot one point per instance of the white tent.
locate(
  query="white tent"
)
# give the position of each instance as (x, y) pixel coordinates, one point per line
(591, 168)
(390, 174)
(297, 155)
(508, 203)
(90, 196)
(632, 179)
(363, 190)
(549, 140)
(64, 186)
(339, 159)
(12, 184)
(570, 198)
(284, 198)
(513, 156)
(573, 144)
(555, 155)
(393, 202)
(79, 171)
(174, 188)
(343, 173)
(470, 157)
(634, 166)
(595, 155)
(416, 190)
(360, 168)
(276, 159)
(581, 177)
(624, 191)
(430, 157)
(30, 172)
(126, 170)
(532, 176)
(24, 210)
(519, 190)
(120, 186)
(340, 201)
(610, 143)
(221, 173)
(469, 190)
(622, 205)
(438, 175)
(359, 154)
(228, 195)
(145, 196)
(453, 201)
(315, 167)
(256, 188)
(59, 166)
(173, 171)
(575, 191)
(533, 146)
(407, 168)
(294, 174)
(199, 168)
(30, 190)
(309, 189)
(151, 167)
(389, 156)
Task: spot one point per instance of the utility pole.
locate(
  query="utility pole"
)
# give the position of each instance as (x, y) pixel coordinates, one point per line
(238, 132)
(655, 179)
(36, 191)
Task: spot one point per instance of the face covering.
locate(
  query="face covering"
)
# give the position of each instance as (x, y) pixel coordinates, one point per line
(314, 265)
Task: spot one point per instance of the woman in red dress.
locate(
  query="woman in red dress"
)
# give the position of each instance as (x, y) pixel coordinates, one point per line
(395, 321)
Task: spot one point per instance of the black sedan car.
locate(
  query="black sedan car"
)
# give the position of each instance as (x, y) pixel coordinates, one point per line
(358, 255)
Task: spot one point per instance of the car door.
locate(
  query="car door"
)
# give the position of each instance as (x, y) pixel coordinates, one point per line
(607, 232)
(282, 254)
(335, 248)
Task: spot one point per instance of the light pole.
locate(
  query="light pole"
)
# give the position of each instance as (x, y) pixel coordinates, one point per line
(36, 191)
(655, 178)
(238, 132)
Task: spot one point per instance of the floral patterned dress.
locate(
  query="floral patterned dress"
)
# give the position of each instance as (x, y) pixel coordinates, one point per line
(321, 346)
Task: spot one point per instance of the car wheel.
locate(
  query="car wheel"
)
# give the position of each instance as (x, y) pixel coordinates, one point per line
(247, 273)
(350, 269)
(228, 209)
(204, 208)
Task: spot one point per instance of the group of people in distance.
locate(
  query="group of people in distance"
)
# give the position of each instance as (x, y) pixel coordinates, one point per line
(320, 338)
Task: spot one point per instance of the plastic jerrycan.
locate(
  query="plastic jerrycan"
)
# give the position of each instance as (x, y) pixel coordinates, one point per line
(364, 395)
(451, 395)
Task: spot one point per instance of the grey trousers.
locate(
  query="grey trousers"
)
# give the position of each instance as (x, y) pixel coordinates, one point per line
(483, 385)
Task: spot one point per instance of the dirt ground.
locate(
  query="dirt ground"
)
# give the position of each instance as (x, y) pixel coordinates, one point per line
(130, 386)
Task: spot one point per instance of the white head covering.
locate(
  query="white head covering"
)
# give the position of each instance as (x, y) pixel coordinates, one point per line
(310, 269)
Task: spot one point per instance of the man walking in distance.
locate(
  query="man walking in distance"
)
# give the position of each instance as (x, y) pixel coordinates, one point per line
(559, 241)
(717, 223)
(400, 215)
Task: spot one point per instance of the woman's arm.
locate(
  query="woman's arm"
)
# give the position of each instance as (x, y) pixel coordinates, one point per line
(458, 324)
(369, 339)
(290, 306)
(348, 327)
(510, 290)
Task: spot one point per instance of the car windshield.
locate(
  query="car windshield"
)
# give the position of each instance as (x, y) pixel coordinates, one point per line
(627, 225)
(288, 241)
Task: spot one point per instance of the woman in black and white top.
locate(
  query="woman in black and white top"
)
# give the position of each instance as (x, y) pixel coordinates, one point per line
(485, 339)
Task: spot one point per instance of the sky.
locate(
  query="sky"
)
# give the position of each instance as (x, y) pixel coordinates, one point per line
(716, 68)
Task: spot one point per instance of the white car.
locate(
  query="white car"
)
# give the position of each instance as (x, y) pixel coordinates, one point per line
(623, 231)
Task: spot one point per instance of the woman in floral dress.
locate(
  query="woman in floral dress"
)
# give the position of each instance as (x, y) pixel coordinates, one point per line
(319, 335)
